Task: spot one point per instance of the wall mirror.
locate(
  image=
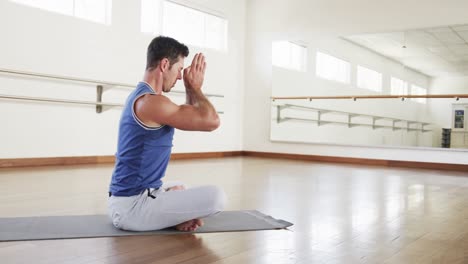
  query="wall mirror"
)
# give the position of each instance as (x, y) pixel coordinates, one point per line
(399, 89)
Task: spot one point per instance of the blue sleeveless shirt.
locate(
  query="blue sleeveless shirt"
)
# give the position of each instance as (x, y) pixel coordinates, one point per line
(142, 153)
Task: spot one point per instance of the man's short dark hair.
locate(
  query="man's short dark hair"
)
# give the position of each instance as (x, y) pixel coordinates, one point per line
(164, 47)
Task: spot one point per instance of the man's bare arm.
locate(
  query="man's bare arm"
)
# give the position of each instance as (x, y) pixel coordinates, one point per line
(157, 110)
(193, 81)
(198, 114)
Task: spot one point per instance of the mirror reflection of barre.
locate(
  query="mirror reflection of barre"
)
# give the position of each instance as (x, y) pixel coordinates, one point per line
(326, 116)
(363, 122)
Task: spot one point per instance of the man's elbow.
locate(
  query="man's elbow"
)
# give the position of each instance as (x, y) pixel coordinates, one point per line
(213, 124)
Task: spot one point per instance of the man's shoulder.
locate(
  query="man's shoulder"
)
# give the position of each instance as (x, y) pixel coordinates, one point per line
(154, 105)
(152, 98)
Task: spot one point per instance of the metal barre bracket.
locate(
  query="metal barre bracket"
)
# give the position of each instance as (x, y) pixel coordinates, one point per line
(99, 90)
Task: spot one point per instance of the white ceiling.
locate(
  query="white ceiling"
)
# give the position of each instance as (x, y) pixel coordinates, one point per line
(437, 52)
(343, 18)
(298, 18)
(308, 20)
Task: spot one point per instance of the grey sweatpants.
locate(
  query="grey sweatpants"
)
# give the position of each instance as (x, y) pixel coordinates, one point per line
(168, 208)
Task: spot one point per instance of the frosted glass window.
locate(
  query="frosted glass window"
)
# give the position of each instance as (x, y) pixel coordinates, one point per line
(289, 55)
(369, 79)
(332, 68)
(398, 86)
(98, 11)
(416, 90)
(59, 6)
(150, 17)
(185, 24)
(215, 32)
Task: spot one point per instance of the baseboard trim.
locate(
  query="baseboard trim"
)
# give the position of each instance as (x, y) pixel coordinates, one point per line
(332, 159)
(53, 161)
(58, 161)
(361, 161)
(205, 155)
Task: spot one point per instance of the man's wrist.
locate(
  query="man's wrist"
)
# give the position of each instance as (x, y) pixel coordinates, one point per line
(192, 91)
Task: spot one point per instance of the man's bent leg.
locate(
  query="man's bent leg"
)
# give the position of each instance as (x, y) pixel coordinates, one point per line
(172, 208)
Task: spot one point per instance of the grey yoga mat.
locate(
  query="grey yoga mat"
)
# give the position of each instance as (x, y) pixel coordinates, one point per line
(87, 226)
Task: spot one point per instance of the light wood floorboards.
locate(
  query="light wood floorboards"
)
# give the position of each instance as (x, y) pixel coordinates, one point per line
(341, 214)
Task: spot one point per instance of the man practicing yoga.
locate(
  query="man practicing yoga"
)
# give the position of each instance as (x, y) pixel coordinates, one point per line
(138, 199)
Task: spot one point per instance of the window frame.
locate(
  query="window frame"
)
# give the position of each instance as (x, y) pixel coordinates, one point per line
(73, 11)
(302, 66)
(160, 28)
(347, 80)
(380, 89)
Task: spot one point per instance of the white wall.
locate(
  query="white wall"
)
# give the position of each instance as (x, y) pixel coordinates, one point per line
(442, 109)
(39, 41)
(273, 20)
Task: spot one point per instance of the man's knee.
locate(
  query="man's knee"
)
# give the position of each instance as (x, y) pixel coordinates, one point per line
(217, 198)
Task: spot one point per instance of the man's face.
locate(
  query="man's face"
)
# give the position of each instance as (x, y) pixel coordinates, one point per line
(173, 74)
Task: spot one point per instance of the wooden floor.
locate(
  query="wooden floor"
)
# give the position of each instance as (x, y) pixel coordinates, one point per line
(341, 214)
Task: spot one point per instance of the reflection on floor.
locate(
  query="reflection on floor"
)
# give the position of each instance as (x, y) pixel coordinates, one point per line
(341, 214)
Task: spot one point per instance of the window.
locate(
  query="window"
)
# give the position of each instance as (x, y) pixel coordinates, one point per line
(332, 68)
(416, 90)
(98, 11)
(151, 14)
(185, 24)
(398, 86)
(369, 79)
(289, 55)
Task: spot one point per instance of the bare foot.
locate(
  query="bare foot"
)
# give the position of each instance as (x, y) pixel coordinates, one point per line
(176, 188)
(190, 225)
